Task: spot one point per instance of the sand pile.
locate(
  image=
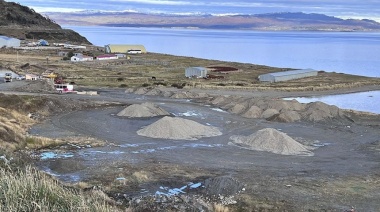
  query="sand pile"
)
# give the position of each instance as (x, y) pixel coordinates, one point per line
(319, 111)
(143, 110)
(271, 140)
(154, 92)
(178, 128)
(253, 112)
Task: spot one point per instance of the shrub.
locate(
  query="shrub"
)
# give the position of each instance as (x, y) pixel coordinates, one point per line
(145, 85)
(123, 86)
(119, 79)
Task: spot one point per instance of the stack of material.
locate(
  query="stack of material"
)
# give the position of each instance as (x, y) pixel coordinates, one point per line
(143, 110)
(271, 140)
(178, 129)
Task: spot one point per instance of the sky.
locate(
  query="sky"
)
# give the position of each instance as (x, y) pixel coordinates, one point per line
(339, 8)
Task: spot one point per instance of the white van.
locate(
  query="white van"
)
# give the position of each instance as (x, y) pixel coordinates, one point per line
(64, 88)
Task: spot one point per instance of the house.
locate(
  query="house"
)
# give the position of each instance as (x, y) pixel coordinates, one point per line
(197, 72)
(31, 77)
(81, 58)
(122, 48)
(9, 42)
(107, 57)
(287, 75)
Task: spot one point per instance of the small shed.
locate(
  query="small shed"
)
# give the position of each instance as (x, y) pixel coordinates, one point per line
(63, 54)
(287, 75)
(31, 77)
(198, 72)
(123, 48)
(9, 42)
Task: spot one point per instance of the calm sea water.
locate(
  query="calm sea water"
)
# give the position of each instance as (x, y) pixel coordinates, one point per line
(344, 52)
(363, 101)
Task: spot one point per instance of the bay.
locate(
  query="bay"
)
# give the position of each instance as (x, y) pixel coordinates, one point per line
(363, 101)
(356, 53)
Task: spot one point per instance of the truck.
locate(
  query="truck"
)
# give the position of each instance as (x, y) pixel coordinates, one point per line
(8, 77)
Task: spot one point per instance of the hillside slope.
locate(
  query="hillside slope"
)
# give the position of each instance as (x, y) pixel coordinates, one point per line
(24, 23)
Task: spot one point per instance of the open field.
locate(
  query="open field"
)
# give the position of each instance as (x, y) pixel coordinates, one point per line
(138, 70)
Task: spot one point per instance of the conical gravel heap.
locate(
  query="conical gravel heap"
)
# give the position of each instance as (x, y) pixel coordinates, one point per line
(178, 129)
(271, 140)
(143, 110)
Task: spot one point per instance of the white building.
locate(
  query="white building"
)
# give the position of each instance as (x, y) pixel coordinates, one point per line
(9, 42)
(197, 72)
(81, 58)
(287, 75)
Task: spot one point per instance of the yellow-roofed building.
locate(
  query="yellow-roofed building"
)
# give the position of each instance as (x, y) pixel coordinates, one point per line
(123, 48)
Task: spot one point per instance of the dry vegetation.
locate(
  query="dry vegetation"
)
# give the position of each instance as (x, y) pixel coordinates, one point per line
(32, 190)
(24, 188)
(138, 70)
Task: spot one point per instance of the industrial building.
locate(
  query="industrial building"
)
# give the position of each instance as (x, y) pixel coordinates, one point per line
(197, 72)
(122, 48)
(9, 42)
(287, 75)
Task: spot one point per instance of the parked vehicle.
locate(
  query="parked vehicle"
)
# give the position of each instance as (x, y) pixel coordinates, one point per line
(20, 77)
(8, 77)
(64, 88)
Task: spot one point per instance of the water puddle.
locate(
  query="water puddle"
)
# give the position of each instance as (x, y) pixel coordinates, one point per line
(192, 145)
(189, 114)
(321, 144)
(53, 155)
(219, 110)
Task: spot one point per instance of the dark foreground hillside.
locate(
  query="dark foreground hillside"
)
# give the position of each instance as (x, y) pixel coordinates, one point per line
(24, 23)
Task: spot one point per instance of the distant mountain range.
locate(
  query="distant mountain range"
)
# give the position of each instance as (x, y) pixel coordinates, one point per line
(272, 21)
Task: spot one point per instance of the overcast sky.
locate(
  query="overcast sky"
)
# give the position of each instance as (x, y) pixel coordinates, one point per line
(340, 8)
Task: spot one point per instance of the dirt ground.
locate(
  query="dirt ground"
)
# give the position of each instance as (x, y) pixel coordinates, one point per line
(146, 172)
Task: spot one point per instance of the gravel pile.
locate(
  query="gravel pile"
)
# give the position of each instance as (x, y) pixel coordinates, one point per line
(271, 140)
(143, 110)
(38, 86)
(178, 129)
(277, 109)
